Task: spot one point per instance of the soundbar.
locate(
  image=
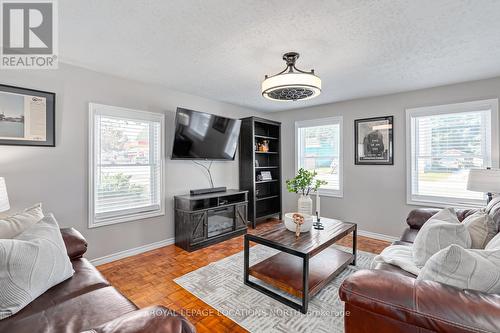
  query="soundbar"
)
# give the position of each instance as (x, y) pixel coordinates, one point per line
(208, 190)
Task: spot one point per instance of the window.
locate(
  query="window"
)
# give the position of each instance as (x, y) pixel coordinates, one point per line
(443, 144)
(318, 147)
(126, 165)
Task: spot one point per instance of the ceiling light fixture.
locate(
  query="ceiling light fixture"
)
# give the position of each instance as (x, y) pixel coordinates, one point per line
(291, 84)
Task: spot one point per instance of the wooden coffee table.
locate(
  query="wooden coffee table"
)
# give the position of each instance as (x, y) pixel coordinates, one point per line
(304, 265)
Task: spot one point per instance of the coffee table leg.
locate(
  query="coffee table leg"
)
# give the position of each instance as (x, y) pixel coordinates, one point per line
(246, 255)
(354, 244)
(305, 284)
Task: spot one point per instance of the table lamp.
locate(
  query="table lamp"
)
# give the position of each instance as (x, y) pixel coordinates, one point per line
(484, 180)
(4, 199)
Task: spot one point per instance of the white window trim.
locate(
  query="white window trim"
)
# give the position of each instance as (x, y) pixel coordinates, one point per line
(132, 215)
(319, 122)
(491, 104)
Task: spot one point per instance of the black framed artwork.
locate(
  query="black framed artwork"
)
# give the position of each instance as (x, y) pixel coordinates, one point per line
(374, 141)
(27, 117)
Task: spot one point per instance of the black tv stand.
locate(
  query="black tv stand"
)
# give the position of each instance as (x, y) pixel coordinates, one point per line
(208, 190)
(205, 219)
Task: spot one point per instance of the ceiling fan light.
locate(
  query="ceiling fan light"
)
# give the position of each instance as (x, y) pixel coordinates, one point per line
(291, 87)
(291, 84)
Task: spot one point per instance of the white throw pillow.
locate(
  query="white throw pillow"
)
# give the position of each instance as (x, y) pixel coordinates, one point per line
(13, 225)
(397, 255)
(481, 227)
(440, 231)
(494, 243)
(464, 269)
(33, 262)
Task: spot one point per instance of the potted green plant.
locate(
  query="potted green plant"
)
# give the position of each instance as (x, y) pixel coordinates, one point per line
(304, 182)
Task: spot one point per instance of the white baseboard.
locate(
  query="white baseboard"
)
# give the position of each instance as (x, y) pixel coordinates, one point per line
(375, 235)
(131, 252)
(148, 247)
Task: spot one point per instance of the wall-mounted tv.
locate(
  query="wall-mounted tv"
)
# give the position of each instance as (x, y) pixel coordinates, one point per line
(204, 136)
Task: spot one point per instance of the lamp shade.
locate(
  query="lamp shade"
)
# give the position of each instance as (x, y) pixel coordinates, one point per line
(4, 199)
(484, 180)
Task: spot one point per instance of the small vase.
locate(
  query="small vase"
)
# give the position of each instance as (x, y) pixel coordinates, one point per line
(305, 204)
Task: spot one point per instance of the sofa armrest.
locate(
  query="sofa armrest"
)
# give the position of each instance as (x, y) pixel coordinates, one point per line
(425, 304)
(76, 245)
(417, 217)
(154, 319)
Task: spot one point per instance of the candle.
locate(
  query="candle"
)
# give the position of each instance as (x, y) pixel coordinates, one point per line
(317, 203)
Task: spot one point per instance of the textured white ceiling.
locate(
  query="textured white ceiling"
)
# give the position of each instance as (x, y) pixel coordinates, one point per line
(222, 49)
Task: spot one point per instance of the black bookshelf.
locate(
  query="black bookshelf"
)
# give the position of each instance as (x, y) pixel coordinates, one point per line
(264, 196)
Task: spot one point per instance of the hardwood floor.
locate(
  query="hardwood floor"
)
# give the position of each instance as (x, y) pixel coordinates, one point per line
(147, 278)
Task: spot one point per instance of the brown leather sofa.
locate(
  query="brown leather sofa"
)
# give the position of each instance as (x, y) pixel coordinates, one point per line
(87, 302)
(388, 299)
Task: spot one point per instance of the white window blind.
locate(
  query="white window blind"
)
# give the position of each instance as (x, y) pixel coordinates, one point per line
(445, 142)
(319, 148)
(127, 164)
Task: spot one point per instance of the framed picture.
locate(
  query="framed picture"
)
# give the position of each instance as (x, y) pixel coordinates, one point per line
(266, 175)
(27, 117)
(374, 141)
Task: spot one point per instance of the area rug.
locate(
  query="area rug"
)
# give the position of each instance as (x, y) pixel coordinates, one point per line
(220, 284)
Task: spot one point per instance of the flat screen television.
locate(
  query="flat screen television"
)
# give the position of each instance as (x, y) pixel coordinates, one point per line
(204, 136)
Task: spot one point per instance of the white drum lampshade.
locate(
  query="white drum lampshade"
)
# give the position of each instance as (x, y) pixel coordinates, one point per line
(4, 199)
(484, 180)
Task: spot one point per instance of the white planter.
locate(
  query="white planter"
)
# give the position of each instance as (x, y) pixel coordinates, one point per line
(305, 204)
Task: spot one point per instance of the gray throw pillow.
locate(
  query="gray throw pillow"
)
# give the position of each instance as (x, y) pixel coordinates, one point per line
(464, 269)
(13, 225)
(440, 231)
(481, 227)
(31, 263)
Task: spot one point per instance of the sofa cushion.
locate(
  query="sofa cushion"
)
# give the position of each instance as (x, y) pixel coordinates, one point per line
(86, 279)
(464, 268)
(33, 262)
(439, 232)
(481, 227)
(76, 314)
(13, 225)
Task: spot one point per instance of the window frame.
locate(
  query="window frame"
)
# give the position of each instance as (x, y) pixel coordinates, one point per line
(420, 200)
(133, 214)
(321, 122)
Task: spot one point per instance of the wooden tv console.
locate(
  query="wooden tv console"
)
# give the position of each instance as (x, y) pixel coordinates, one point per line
(202, 220)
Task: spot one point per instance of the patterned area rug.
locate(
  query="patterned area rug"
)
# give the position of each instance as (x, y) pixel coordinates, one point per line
(220, 284)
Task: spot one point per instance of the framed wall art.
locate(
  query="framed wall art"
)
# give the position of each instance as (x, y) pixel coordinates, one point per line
(374, 141)
(27, 117)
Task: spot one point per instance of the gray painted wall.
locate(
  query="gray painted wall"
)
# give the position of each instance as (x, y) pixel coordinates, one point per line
(374, 196)
(57, 177)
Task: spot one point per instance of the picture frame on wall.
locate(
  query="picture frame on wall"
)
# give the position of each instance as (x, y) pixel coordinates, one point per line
(27, 117)
(373, 141)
